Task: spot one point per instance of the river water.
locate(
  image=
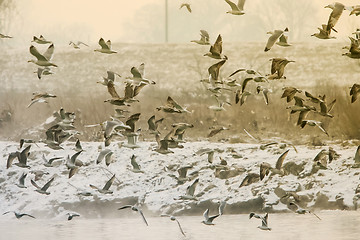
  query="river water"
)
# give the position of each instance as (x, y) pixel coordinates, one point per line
(334, 225)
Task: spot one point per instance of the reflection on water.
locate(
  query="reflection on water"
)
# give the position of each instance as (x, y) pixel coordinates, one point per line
(334, 225)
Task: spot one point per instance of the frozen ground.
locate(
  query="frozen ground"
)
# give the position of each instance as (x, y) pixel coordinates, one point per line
(158, 190)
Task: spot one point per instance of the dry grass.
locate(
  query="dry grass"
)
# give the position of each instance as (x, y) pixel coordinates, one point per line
(177, 69)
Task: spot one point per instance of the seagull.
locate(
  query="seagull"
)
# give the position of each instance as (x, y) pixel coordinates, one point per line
(21, 183)
(325, 109)
(135, 165)
(214, 70)
(110, 78)
(77, 44)
(266, 167)
(105, 47)
(43, 71)
(153, 124)
(48, 163)
(42, 59)
(314, 123)
(22, 157)
(216, 131)
(4, 36)
(112, 126)
(323, 33)
(236, 9)
(44, 188)
(187, 5)
(163, 145)
(354, 92)
(172, 218)
(289, 93)
(138, 76)
(204, 38)
(72, 215)
(275, 35)
(105, 154)
(277, 67)
(299, 210)
(19, 215)
(337, 9)
(105, 189)
(264, 224)
(40, 40)
(190, 191)
(172, 107)
(209, 220)
(136, 209)
(216, 49)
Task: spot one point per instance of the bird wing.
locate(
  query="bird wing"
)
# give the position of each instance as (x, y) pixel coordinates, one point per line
(24, 155)
(22, 179)
(213, 217)
(272, 39)
(34, 184)
(142, 69)
(205, 35)
(320, 125)
(217, 47)
(265, 95)
(108, 158)
(108, 43)
(103, 44)
(111, 89)
(215, 69)
(102, 155)
(135, 72)
(233, 6)
(73, 157)
(222, 207)
(151, 123)
(241, 4)
(206, 214)
(47, 185)
(331, 105)
(335, 15)
(283, 38)
(143, 217)
(245, 82)
(275, 65)
(138, 88)
(11, 158)
(129, 91)
(36, 53)
(191, 189)
(280, 160)
(181, 230)
(49, 52)
(172, 103)
(108, 183)
(123, 207)
(357, 155)
(264, 170)
(134, 164)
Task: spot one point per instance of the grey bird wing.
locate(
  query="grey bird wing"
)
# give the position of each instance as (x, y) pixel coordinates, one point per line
(210, 219)
(24, 155)
(335, 15)
(331, 105)
(108, 158)
(34, 184)
(151, 123)
(22, 179)
(109, 183)
(103, 44)
(25, 214)
(222, 207)
(232, 5)
(36, 53)
(206, 214)
(245, 82)
(204, 34)
(47, 185)
(214, 69)
(129, 91)
(126, 206)
(49, 52)
(320, 125)
(134, 164)
(357, 155)
(73, 157)
(111, 89)
(135, 72)
(171, 102)
(142, 69)
(280, 160)
(191, 189)
(272, 39)
(143, 217)
(264, 170)
(11, 158)
(217, 47)
(241, 4)
(138, 88)
(181, 230)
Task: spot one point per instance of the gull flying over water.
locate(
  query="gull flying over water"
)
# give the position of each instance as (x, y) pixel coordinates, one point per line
(135, 209)
(172, 218)
(209, 220)
(105, 189)
(43, 189)
(236, 9)
(264, 220)
(153, 124)
(297, 209)
(49, 163)
(72, 215)
(314, 123)
(105, 47)
(216, 131)
(19, 215)
(42, 59)
(22, 157)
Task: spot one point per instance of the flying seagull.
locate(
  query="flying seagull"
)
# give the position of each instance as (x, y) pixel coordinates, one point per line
(190, 191)
(264, 224)
(278, 67)
(299, 210)
(216, 49)
(105, 47)
(236, 9)
(42, 59)
(314, 123)
(135, 209)
(172, 218)
(105, 189)
(4, 36)
(187, 5)
(204, 38)
(77, 44)
(275, 35)
(138, 76)
(43, 189)
(19, 215)
(209, 220)
(135, 165)
(105, 154)
(21, 183)
(72, 215)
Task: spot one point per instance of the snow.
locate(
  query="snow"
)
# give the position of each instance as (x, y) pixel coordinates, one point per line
(158, 190)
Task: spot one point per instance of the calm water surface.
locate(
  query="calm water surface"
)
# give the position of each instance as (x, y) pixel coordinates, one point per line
(334, 225)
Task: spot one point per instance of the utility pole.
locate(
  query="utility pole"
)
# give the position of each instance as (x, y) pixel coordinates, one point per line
(166, 21)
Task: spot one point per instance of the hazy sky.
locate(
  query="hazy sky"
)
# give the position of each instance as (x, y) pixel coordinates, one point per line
(88, 20)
